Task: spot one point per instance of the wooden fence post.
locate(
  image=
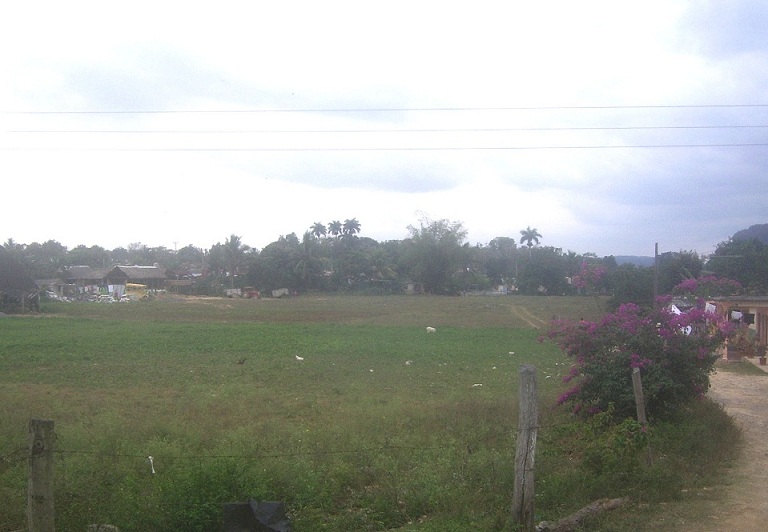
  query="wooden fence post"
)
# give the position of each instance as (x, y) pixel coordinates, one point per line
(637, 387)
(40, 514)
(523, 492)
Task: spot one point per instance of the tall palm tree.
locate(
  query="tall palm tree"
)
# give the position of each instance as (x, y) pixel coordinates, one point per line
(306, 263)
(233, 250)
(318, 229)
(530, 236)
(351, 227)
(335, 228)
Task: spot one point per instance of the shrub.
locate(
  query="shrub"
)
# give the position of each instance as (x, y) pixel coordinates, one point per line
(675, 353)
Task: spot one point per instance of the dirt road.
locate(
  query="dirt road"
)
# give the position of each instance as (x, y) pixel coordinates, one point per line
(745, 397)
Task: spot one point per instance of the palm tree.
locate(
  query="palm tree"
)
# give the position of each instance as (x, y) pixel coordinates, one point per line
(318, 229)
(351, 226)
(335, 228)
(233, 250)
(306, 264)
(530, 236)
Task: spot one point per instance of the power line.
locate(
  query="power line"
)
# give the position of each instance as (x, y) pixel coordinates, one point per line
(356, 131)
(393, 109)
(404, 149)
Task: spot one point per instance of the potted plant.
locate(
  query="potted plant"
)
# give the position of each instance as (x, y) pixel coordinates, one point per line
(739, 345)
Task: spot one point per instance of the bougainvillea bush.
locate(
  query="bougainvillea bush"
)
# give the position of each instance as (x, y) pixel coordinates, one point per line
(708, 286)
(674, 351)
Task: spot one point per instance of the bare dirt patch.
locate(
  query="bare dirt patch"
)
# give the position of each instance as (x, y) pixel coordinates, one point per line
(745, 502)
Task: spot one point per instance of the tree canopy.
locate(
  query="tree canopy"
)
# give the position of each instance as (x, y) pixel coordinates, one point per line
(335, 256)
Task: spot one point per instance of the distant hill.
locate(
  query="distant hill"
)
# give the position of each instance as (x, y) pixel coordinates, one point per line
(634, 259)
(755, 232)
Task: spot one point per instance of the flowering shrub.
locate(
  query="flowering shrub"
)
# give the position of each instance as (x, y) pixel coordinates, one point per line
(675, 354)
(589, 276)
(708, 286)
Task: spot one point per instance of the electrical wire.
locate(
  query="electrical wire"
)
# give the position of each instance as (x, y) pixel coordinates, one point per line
(396, 109)
(356, 131)
(396, 149)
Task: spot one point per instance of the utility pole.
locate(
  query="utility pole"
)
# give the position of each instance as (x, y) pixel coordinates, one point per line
(656, 275)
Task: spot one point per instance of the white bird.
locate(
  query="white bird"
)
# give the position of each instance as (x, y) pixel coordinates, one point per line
(431, 329)
(300, 359)
(478, 385)
(408, 362)
(511, 352)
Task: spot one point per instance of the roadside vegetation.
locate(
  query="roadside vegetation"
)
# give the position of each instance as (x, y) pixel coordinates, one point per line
(380, 426)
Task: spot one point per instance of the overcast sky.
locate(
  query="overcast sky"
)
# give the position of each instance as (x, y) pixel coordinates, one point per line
(608, 126)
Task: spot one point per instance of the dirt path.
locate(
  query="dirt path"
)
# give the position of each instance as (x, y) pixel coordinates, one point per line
(745, 397)
(528, 317)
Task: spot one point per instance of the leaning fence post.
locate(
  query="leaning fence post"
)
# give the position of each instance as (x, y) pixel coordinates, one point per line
(40, 514)
(637, 388)
(523, 492)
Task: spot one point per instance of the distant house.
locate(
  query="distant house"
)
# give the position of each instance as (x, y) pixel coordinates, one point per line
(153, 277)
(114, 280)
(412, 288)
(17, 289)
(84, 279)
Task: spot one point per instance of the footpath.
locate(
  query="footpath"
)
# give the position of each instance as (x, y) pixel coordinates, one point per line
(745, 398)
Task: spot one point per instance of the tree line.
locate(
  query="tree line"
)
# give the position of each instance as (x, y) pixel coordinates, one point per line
(435, 257)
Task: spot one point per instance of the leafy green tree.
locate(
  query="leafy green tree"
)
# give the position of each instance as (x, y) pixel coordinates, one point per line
(436, 256)
(275, 266)
(94, 256)
(630, 284)
(745, 261)
(381, 265)
(528, 237)
(544, 273)
(500, 259)
(190, 255)
(349, 262)
(46, 260)
(120, 255)
(675, 267)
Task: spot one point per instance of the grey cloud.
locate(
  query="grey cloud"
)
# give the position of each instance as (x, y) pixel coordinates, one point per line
(728, 28)
(157, 79)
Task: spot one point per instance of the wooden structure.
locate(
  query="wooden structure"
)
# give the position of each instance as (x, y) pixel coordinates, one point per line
(87, 279)
(153, 277)
(749, 311)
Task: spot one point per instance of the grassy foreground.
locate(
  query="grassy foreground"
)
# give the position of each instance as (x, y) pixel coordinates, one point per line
(380, 426)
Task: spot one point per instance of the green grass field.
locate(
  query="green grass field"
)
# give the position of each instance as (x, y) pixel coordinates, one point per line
(380, 426)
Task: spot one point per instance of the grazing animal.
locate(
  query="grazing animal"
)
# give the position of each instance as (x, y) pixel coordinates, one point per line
(478, 385)
(431, 329)
(300, 359)
(241, 362)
